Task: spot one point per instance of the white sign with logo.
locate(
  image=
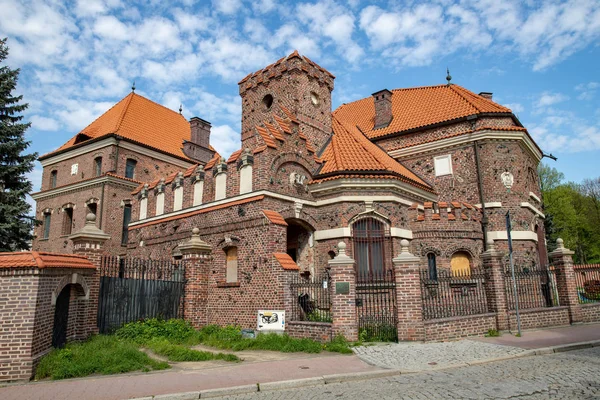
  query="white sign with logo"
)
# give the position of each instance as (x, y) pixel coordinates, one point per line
(271, 320)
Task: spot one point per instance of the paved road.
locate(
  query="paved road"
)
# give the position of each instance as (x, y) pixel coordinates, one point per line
(571, 375)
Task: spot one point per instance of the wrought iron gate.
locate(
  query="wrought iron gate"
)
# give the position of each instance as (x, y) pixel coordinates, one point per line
(376, 307)
(133, 289)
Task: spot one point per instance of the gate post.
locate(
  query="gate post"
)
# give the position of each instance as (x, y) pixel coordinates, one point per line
(196, 261)
(566, 285)
(89, 242)
(408, 294)
(343, 293)
(495, 286)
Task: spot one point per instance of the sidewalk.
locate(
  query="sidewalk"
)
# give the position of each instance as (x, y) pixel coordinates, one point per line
(319, 367)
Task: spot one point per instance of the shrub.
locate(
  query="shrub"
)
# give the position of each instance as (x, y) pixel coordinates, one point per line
(175, 330)
(592, 289)
(175, 352)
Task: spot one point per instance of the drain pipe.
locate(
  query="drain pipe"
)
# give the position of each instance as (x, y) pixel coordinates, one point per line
(484, 219)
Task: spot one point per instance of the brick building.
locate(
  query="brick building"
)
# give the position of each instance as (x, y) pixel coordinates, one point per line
(439, 166)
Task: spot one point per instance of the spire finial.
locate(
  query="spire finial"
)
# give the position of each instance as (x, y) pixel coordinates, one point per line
(448, 77)
(133, 86)
(180, 109)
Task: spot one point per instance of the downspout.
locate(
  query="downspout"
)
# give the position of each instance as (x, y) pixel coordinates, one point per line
(484, 219)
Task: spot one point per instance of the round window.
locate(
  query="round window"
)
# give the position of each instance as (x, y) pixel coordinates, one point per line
(268, 101)
(314, 98)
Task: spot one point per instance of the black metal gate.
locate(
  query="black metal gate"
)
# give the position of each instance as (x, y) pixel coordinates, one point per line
(376, 309)
(133, 289)
(61, 318)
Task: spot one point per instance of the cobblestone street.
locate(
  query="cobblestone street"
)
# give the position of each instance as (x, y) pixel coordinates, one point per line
(570, 375)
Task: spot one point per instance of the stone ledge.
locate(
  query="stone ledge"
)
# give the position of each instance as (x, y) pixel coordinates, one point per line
(458, 318)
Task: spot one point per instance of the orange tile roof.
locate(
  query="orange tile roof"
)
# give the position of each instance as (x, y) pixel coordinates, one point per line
(43, 260)
(190, 170)
(211, 163)
(289, 114)
(264, 134)
(274, 217)
(418, 107)
(140, 120)
(349, 152)
(274, 131)
(286, 261)
(234, 156)
(282, 124)
(260, 149)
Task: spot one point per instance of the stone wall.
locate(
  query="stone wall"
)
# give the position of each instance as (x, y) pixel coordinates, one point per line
(319, 331)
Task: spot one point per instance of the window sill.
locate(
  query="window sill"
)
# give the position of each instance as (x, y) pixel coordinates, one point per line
(228, 284)
(43, 239)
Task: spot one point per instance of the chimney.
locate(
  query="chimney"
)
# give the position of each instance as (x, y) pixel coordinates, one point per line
(198, 148)
(383, 108)
(486, 95)
(200, 132)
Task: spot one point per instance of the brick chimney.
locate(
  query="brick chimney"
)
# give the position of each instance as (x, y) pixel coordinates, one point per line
(383, 108)
(198, 148)
(486, 95)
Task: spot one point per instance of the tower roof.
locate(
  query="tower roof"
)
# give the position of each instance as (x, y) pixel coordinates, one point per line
(139, 120)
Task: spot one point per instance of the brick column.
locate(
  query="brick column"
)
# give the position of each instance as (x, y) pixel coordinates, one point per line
(196, 261)
(565, 280)
(495, 289)
(89, 242)
(408, 295)
(343, 295)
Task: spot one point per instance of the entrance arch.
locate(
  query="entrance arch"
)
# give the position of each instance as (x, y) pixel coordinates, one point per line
(61, 317)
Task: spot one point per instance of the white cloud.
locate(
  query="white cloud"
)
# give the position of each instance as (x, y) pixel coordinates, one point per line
(227, 6)
(111, 28)
(515, 107)
(587, 91)
(263, 6)
(564, 131)
(549, 98)
(43, 123)
(224, 139)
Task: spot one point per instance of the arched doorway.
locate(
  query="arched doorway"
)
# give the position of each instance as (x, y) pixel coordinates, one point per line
(299, 245)
(460, 263)
(61, 317)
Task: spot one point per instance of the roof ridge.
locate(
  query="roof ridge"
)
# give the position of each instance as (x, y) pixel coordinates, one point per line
(119, 122)
(462, 96)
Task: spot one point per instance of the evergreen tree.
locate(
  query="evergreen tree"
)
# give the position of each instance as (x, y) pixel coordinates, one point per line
(16, 226)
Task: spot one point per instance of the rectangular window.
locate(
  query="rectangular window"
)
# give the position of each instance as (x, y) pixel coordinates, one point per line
(67, 221)
(46, 225)
(130, 168)
(232, 265)
(443, 165)
(126, 220)
(53, 179)
(98, 166)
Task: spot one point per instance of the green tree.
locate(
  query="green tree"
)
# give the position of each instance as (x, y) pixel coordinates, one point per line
(16, 226)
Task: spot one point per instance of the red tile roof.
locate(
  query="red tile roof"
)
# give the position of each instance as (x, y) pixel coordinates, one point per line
(274, 217)
(268, 139)
(43, 260)
(351, 153)
(234, 156)
(211, 163)
(418, 107)
(286, 261)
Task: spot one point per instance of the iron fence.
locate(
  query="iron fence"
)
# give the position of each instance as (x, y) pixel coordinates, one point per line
(313, 299)
(453, 294)
(536, 287)
(588, 283)
(376, 306)
(132, 289)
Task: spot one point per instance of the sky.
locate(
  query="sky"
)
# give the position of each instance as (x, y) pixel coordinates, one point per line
(78, 58)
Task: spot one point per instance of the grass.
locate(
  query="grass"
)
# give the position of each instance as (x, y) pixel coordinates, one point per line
(118, 353)
(492, 333)
(103, 355)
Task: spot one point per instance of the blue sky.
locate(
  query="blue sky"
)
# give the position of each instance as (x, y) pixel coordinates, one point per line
(78, 58)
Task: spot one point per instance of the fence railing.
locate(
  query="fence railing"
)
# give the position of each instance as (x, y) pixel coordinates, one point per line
(312, 298)
(536, 287)
(453, 294)
(588, 282)
(376, 306)
(132, 289)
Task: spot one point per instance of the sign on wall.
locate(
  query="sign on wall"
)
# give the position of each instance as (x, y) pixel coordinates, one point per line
(271, 320)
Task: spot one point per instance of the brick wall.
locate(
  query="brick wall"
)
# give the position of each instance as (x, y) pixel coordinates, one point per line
(539, 318)
(459, 327)
(590, 312)
(319, 331)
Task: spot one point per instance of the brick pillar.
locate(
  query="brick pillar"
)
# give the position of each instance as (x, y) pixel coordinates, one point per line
(343, 295)
(495, 289)
(196, 261)
(89, 242)
(565, 280)
(408, 295)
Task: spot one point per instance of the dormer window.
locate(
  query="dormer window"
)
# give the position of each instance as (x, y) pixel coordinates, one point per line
(130, 168)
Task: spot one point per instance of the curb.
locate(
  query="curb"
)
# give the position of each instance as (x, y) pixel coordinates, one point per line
(357, 376)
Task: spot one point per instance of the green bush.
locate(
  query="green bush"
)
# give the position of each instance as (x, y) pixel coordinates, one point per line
(319, 316)
(174, 330)
(339, 345)
(99, 355)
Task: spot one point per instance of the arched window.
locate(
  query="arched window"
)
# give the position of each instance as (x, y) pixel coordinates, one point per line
(460, 263)
(232, 264)
(432, 266)
(97, 166)
(130, 168)
(47, 218)
(369, 238)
